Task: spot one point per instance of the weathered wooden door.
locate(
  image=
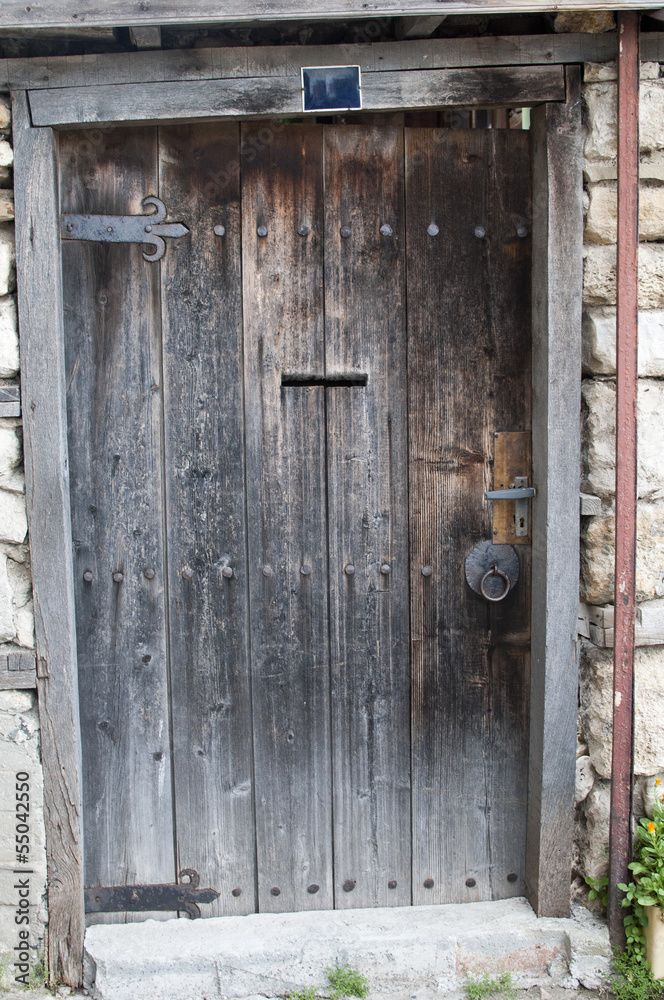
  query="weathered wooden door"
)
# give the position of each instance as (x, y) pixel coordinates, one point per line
(280, 439)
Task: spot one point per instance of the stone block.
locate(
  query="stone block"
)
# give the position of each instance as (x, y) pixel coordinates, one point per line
(585, 778)
(600, 72)
(5, 112)
(597, 810)
(596, 707)
(10, 449)
(7, 627)
(597, 555)
(602, 217)
(599, 275)
(9, 358)
(6, 206)
(6, 153)
(7, 259)
(599, 342)
(601, 104)
(598, 444)
(13, 521)
(594, 22)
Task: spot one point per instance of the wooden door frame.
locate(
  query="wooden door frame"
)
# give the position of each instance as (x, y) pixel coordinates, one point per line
(557, 230)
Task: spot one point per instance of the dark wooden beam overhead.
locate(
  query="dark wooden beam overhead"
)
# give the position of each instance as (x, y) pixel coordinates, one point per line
(61, 13)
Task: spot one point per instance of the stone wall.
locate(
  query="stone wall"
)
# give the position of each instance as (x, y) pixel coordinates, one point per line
(19, 725)
(598, 457)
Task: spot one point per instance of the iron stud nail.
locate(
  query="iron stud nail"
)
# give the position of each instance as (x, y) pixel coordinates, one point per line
(428, 883)
(480, 232)
(521, 231)
(471, 883)
(118, 577)
(345, 232)
(87, 576)
(236, 892)
(433, 229)
(349, 570)
(70, 227)
(149, 573)
(386, 230)
(349, 885)
(302, 230)
(426, 571)
(392, 884)
(227, 571)
(187, 573)
(109, 229)
(275, 890)
(305, 570)
(221, 231)
(267, 571)
(262, 230)
(512, 877)
(385, 569)
(148, 229)
(313, 888)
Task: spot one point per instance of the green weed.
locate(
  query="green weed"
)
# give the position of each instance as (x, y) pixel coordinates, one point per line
(631, 978)
(347, 982)
(486, 985)
(599, 888)
(307, 993)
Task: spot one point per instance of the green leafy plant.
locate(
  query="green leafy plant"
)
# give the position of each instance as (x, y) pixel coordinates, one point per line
(347, 982)
(486, 985)
(307, 993)
(647, 889)
(599, 888)
(631, 979)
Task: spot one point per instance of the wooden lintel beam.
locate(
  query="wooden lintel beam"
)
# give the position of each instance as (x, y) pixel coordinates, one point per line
(417, 27)
(262, 97)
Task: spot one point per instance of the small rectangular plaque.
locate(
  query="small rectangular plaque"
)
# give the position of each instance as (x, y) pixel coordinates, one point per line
(331, 88)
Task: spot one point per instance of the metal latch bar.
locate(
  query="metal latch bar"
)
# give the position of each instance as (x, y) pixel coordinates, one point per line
(184, 896)
(517, 493)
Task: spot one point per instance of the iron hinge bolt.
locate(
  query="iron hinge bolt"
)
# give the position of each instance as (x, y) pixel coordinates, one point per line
(512, 877)
(227, 572)
(220, 230)
(349, 570)
(70, 227)
(313, 888)
(305, 570)
(262, 230)
(87, 576)
(118, 577)
(480, 232)
(385, 569)
(275, 890)
(433, 229)
(521, 231)
(392, 884)
(148, 229)
(349, 885)
(187, 573)
(471, 883)
(267, 571)
(345, 232)
(236, 892)
(149, 573)
(302, 230)
(428, 883)
(386, 230)
(426, 571)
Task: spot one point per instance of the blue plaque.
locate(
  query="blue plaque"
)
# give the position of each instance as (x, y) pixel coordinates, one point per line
(331, 88)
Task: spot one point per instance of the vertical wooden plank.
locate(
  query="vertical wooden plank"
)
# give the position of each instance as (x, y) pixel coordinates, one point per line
(286, 500)
(113, 357)
(43, 385)
(556, 131)
(204, 453)
(468, 377)
(368, 526)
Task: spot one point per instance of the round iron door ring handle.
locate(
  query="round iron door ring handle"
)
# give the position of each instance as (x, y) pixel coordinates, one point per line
(495, 571)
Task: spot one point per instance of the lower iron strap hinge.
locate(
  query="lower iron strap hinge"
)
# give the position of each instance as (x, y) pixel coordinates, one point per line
(168, 896)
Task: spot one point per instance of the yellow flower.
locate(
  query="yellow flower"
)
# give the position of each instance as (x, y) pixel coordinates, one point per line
(658, 781)
(651, 827)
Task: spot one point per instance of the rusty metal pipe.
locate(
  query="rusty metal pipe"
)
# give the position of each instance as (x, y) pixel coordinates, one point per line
(626, 399)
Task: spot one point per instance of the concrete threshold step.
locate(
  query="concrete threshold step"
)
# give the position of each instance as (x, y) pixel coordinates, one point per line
(405, 952)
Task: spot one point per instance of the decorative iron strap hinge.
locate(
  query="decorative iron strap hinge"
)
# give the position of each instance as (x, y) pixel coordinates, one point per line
(148, 229)
(179, 896)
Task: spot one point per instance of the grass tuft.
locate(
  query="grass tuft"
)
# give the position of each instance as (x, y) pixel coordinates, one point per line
(347, 982)
(486, 985)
